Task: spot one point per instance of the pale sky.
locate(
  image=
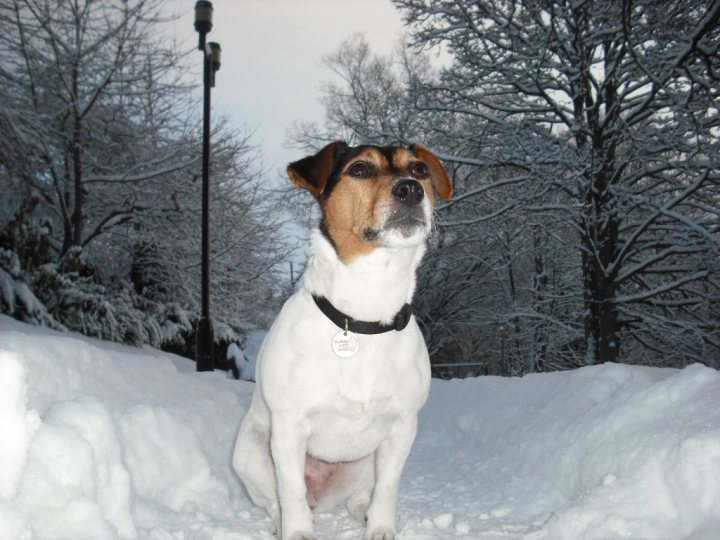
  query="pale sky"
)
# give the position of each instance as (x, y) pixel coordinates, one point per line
(272, 59)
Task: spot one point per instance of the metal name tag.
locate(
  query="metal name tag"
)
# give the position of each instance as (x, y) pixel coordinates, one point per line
(345, 344)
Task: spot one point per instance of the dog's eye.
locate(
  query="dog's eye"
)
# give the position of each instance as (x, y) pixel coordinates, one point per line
(418, 170)
(359, 169)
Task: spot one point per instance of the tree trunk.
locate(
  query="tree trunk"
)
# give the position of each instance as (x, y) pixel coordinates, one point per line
(600, 314)
(76, 153)
(599, 245)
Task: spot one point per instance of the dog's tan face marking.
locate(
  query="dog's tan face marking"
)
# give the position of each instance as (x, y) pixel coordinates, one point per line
(371, 196)
(355, 212)
(352, 209)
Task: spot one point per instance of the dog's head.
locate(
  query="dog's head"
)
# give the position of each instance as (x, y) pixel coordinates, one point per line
(373, 196)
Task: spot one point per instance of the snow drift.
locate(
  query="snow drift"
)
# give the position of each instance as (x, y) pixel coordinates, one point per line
(101, 441)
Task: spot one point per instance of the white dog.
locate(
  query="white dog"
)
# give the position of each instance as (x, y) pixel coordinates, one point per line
(344, 369)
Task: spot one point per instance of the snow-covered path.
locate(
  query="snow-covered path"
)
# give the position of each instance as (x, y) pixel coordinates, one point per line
(100, 441)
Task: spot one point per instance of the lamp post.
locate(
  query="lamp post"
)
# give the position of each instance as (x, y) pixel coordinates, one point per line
(211, 63)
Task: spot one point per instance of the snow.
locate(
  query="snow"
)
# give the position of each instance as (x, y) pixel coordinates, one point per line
(101, 441)
(252, 349)
(246, 359)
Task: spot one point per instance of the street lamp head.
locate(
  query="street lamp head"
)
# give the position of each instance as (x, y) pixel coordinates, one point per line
(215, 55)
(203, 16)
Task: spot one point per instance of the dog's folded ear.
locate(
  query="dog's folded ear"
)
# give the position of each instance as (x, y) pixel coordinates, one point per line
(440, 181)
(313, 172)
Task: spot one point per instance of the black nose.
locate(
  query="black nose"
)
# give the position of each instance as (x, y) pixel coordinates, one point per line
(408, 192)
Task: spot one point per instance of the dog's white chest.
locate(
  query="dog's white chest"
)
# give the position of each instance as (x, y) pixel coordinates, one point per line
(345, 430)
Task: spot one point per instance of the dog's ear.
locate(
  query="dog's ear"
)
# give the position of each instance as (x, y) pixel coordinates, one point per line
(313, 172)
(440, 181)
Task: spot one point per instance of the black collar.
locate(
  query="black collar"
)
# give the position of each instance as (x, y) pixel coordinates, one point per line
(345, 322)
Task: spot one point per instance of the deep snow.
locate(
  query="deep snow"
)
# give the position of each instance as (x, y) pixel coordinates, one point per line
(100, 441)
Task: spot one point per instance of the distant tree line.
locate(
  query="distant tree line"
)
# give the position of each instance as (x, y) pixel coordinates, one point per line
(583, 139)
(100, 181)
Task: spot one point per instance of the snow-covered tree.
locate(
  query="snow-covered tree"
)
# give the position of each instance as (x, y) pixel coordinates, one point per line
(583, 141)
(93, 99)
(490, 265)
(99, 150)
(609, 109)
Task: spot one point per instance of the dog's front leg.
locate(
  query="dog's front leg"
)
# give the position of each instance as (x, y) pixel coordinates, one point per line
(390, 459)
(288, 443)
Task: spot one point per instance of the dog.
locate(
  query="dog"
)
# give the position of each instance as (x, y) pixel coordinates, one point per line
(344, 369)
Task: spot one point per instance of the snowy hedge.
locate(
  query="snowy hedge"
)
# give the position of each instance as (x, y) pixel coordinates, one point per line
(71, 296)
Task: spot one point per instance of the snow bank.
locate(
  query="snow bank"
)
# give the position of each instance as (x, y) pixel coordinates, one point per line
(101, 441)
(605, 452)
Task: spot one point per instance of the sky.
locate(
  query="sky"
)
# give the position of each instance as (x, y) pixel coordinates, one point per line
(272, 53)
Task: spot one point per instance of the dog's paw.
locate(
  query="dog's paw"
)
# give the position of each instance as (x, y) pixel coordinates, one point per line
(380, 533)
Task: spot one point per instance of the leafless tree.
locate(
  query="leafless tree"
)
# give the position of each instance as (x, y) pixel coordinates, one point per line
(99, 149)
(611, 110)
(582, 140)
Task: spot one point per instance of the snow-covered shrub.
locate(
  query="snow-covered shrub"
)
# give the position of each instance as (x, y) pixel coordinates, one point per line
(178, 327)
(235, 360)
(16, 298)
(77, 299)
(176, 324)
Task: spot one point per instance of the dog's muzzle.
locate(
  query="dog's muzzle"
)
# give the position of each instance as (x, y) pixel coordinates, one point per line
(407, 215)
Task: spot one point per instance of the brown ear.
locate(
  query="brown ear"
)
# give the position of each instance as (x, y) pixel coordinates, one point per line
(440, 181)
(313, 172)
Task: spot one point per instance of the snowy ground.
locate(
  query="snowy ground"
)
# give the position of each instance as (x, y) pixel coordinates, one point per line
(101, 441)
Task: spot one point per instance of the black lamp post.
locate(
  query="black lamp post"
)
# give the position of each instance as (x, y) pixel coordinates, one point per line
(211, 63)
